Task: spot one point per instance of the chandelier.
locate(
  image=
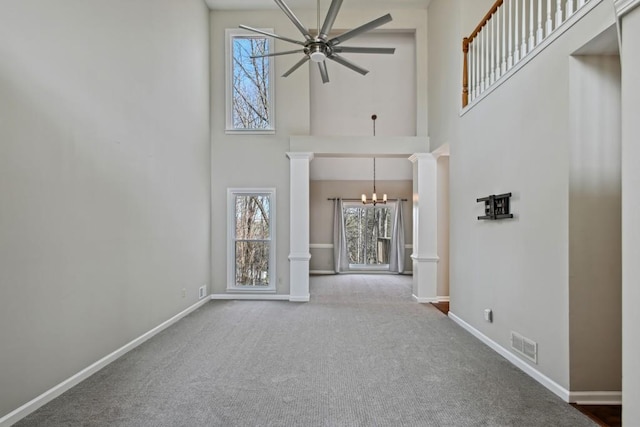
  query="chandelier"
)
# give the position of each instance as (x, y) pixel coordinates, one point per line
(374, 197)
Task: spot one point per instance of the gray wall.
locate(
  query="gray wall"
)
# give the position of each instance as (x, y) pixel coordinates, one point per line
(321, 214)
(516, 140)
(104, 180)
(595, 291)
(443, 226)
(630, 225)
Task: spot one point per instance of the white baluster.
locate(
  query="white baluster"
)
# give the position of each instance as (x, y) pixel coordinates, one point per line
(487, 46)
(503, 65)
(493, 49)
(532, 40)
(523, 47)
(558, 13)
(549, 22)
(510, 36)
(516, 35)
(569, 8)
(485, 33)
(496, 25)
(581, 3)
(523, 39)
(478, 41)
(476, 67)
(470, 72)
(539, 33)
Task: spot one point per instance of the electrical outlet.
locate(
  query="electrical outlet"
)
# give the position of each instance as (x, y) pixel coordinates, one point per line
(184, 292)
(488, 315)
(202, 291)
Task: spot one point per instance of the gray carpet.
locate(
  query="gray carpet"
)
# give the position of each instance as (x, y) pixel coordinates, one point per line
(361, 353)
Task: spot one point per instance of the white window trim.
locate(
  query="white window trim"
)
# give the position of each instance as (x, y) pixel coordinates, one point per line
(231, 252)
(369, 267)
(230, 34)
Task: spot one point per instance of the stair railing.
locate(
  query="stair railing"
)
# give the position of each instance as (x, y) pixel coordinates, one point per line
(510, 31)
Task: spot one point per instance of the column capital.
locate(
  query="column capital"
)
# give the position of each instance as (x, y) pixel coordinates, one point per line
(300, 156)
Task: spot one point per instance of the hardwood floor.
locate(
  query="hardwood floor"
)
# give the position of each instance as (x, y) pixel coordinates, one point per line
(604, 415)
(442, 306)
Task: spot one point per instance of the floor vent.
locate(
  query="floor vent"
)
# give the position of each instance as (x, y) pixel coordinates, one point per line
(202, 292)
(524, 346)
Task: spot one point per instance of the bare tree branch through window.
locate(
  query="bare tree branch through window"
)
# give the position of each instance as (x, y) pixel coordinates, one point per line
(250, 84)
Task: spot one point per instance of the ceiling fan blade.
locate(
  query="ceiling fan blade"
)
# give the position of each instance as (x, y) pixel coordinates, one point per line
(340, 60)
(330, 19)
(361, 29)
(323, 71)
(353, 49)
(275, 36)
(294, 19)
(289, 52)
(295, 67)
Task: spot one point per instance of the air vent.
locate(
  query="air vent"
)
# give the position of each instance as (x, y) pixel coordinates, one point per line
(202, 292)
(524, 346)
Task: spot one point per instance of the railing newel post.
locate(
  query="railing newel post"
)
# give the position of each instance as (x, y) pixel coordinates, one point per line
(465, 77)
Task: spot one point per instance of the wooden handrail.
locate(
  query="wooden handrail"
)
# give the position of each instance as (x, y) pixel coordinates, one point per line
(486, 18)
(465, 50)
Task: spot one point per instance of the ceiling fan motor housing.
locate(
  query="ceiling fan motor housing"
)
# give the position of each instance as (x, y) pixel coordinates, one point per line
(318, 51)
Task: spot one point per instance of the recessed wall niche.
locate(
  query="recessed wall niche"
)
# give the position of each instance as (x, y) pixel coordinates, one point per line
(343, 107)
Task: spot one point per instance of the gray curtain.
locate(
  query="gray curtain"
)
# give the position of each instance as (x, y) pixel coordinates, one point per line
(340, 260)
(396, 255)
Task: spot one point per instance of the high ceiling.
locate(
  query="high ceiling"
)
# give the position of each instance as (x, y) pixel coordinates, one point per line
(312, 4)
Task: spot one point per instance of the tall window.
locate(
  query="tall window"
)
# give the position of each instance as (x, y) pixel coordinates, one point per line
(249, 94)
(368, 234)
(251, 249)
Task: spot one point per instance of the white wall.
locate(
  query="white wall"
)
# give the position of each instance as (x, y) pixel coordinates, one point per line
(630, 224)
(388, 90)
(449, 22)
(260, 160)
(104, 176)
(516, 140)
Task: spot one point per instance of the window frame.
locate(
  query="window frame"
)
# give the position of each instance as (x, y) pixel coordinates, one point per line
(230, 35)
(232, 286)
(390, 205)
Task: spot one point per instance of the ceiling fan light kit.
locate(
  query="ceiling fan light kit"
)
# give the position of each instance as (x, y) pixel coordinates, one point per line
(321, 47)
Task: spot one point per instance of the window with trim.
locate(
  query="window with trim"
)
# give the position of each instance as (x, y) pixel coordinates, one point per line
(251, 248)
(368, 232)
(249, 92)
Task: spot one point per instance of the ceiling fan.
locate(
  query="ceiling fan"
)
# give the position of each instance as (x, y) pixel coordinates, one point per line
(320, 47)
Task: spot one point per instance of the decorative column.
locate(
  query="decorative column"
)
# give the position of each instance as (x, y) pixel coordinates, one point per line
(425, 228)
(299, 255)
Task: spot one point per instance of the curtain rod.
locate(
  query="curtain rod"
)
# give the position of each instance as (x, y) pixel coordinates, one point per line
(360, 200)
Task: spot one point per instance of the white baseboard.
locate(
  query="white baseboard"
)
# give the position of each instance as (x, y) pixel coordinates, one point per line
(581, 397)
(29, 407)
(596, 397)
(424, 300)
(260, 297)
(442, 299)
(321, 272)
(305, 298)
